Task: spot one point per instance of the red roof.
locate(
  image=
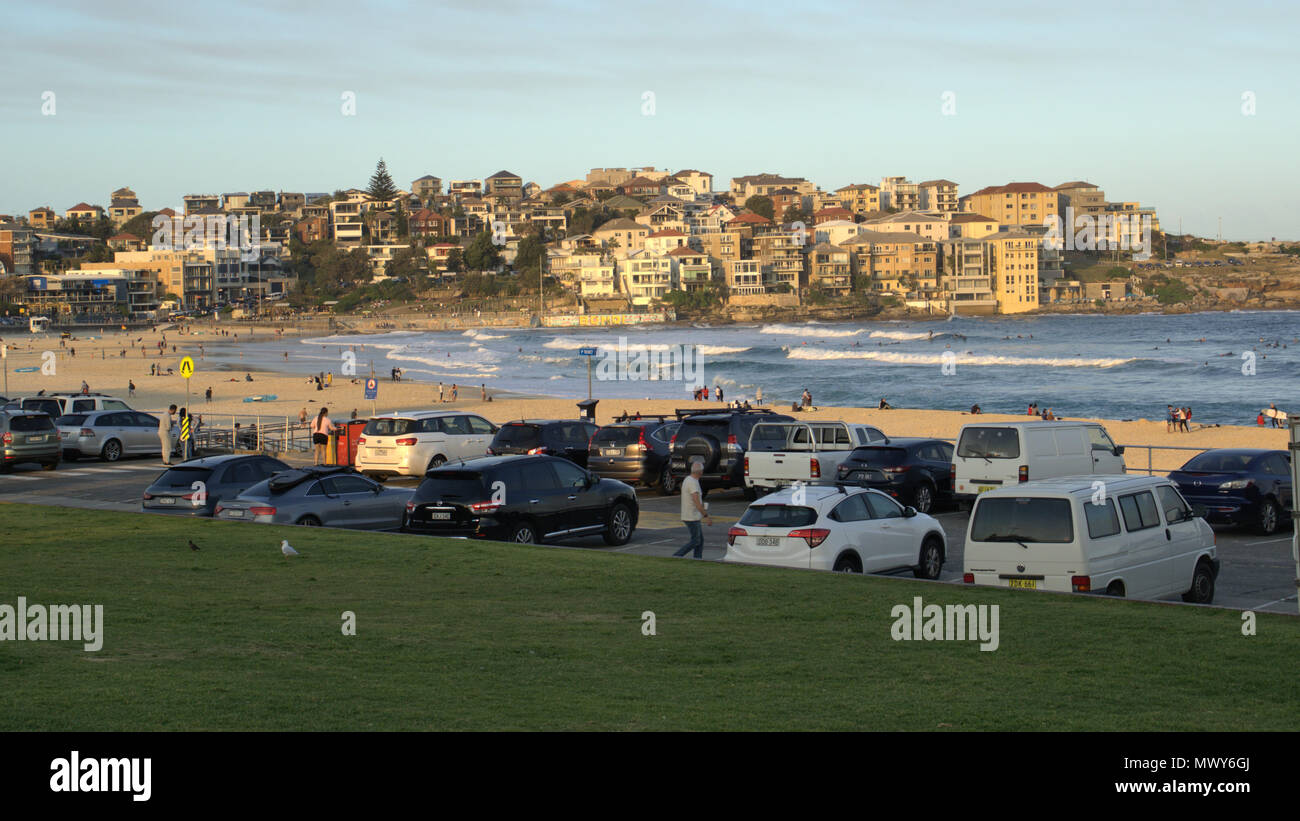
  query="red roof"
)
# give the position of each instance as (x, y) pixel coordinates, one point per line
(81, 206)
(667, 232)
(685, 251)
(751, 217)
(125, 236)
(833, 211)
(1015, 188)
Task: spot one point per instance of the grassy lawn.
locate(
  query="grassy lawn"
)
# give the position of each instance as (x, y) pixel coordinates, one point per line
(454, 635)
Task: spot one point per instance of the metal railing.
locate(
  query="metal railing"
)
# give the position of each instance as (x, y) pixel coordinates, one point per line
(258, 433)
(1149, 470)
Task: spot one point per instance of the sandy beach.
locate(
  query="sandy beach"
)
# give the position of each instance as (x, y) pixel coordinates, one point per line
(100, 363)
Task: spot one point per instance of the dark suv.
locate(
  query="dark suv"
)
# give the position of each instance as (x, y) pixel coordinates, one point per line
(916, 472)
(527, 499)
(567, 438)
(635, 449)
(718, 438)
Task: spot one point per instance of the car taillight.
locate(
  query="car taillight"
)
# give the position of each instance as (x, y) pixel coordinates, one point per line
(731, 439)
(361, 440)
(538, 450)
(812, 535)
(733, 533)
(189, 497)
(640, 438)
(814, 468)
(408, 442)
(672, 440)
(218, 510)
(410, 507)
(746, 465)
(88, 432)
(491, 452)
(149, 496)
(1081, 584)
(485, 507)
(968, 578)
(7, 438)
(1024, 473)
(262, 510)
(952, 473)
(897, 469)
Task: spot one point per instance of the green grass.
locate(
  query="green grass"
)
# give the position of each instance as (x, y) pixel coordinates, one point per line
(455, 635)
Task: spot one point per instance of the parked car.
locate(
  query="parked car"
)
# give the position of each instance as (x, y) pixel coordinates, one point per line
(109, 435)
(319, 496)
(567, 438)
(28, 436)
(848, 530)
(61, 403)
(1250, 487)
(717, 438)
(635, 451)
(914, 471)
(194, 488)
(521, 499)
(782, 453)
(1138, 538)
(408, 444)
(990, 455)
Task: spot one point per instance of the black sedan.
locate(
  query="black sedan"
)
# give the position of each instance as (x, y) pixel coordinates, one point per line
(521, 499)
(916, 472)
(193, 488)
(1243, 486)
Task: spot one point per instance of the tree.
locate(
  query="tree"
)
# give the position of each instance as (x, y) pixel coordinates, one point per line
(529, 256)
(403, 222)
(453, 261)
(482, 255)
(794, 213)
(381, 183)
(761, 205)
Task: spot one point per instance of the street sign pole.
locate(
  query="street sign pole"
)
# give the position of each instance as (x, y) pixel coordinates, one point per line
(588, 353)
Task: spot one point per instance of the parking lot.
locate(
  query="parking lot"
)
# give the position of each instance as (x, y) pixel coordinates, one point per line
(1257, 571)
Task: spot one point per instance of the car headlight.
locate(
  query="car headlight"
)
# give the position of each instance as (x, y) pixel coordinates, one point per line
(1237, 484)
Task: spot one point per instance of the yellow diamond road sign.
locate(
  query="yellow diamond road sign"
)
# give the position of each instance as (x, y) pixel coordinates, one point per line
(187, 367)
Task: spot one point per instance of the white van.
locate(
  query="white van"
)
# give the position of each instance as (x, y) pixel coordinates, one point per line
(996, 454)
(1131, 536)
(410, 444)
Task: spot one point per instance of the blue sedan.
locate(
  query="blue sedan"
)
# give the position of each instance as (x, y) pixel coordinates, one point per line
(1250, 487)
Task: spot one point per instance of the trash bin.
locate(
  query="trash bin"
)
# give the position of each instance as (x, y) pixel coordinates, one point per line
(587, 409)
(346, 435)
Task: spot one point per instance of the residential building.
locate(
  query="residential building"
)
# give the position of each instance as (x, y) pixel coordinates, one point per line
(622, 236)
(780, 254)
(426, 187)
(640, 187)
(1014, 204)
(126, 242)
(691, 268)
(612, 177)
(201, 202)
(17, 249)
(939, 196)
(346, 220)
(742, 188)
(234, 200)
(292, 203)
(263, 201)
(860, 198)
(1083, 197)
(102, 294)
(899, 194)
(427, 223)
(312, 229)
(895, 262)
(966, 281)
(744, 277)
(969, 225)
(122, 206)
(85, 214)
(505, 184)
(645, 277)
(835, 231)
(1014, 269)
(835, 213)
(41, 219)
(465, 188)
(829, 269)
(931, 226)
(661, 242)
(782, 199)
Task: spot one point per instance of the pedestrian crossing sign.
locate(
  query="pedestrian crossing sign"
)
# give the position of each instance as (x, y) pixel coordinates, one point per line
(187, 367)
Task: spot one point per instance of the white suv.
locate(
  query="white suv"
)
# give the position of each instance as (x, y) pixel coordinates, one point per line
(409, 444)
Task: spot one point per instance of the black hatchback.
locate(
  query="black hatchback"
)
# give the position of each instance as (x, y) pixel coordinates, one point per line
(916, 472)
(635, 450)
(567, 438)
(529, 499)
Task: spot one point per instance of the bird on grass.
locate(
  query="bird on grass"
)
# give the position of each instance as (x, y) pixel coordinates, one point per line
(193, 546)
(286, 549)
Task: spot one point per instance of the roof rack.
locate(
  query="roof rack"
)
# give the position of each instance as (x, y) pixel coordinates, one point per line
(636, 417)
(683, 413)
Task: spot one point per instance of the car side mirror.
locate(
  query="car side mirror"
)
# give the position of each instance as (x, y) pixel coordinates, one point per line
(592, 479)
(1119, 450)
(1199, 511)
(909, 512)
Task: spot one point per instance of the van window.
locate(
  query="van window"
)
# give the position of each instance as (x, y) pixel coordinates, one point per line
(389, 427)
(1103, 521)
(1041, 442)
(1176, 510)
(1139, 511)
(1023, 519)
(990, 443)
(1100, 441)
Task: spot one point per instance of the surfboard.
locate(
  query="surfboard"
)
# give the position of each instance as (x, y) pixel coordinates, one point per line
(261, 397)
(26, 370)
(1269, 413)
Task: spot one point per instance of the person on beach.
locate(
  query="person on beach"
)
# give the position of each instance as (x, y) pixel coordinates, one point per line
(302, 416)
(694, 514)
(320, 434)
(455, 391)
(440, 393)
(717, 390)
(1169, 418)
(130, 388)
(483, 391)
(207, 395)
(885, 405)
(758, 396)
(165, 435)
(975, 409)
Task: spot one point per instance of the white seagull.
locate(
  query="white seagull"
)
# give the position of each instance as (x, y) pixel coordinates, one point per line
(286, 549)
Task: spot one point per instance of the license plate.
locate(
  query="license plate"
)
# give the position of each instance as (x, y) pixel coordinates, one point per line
(611, 452)
(378, 451)
(166, 500)
(1024, 584)
(769, 541)
(984, 488)
(236, 514)
(440, 514)
(37, 438)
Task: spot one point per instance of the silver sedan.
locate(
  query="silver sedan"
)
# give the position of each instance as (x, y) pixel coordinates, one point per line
(319, 496)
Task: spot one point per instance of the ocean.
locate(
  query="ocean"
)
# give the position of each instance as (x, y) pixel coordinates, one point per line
(1226, 366)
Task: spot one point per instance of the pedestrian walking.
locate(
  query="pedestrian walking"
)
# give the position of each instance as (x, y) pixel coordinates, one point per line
(207, 395)
(717, 389)
(165, 425)
(130, 387)
(694, 513)
(455, 391)
(320, 434)
(758, 396)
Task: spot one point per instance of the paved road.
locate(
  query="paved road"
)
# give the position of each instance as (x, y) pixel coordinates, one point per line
(1256, 575)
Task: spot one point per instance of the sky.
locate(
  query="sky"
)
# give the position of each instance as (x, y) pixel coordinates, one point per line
(1190, 107)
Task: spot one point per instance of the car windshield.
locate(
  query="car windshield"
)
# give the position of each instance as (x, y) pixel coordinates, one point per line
(990, 443)
(72, 420)
(183, 477)
(617, 436)
(879, 456)
(451, 485)
(522, 436)
(389, 427)
(1022, 519)
(1212, 462)
(778, 516)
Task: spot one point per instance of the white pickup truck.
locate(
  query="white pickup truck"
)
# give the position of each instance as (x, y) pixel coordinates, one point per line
(782, 453)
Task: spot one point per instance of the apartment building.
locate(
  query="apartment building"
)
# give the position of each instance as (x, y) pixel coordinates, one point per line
(263, 201)
(646, 277)
(722, 248)
(661, 242)
(506, 184)
(899, 194)
(829, 269)
(1083, 197)
(939, 196)
(700, 182)
(348, 222)
(640, 187)
(312, 229)
(744, 277)
(966, 284)
(292, 203)
(931, 226)
(201, 202)
(103, 294)
(1014, 270)
(234, 201)
(835, 231)
(691, 268)
(895, 262)
(41, 219)
(969, 225)
(17, 249)
(780, 256)
(860, 198)
(742, 188)
(622, 236)
(613, 177)
(1016, 203)
(123, 205)
(782, 199)
(465, 188)
(426, 186)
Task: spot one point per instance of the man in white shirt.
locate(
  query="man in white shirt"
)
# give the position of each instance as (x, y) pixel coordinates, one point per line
(693, 511)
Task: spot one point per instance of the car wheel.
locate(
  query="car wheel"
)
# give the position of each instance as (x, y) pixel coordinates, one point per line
(309, 521)
(112, 451)
(848, 563)
(931, 560)
(1202, 590)
(923, 498)
(1115, 589)
(436, 462)
(667, 482)
(618, 530)
(1267, 522)
(523, 533)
